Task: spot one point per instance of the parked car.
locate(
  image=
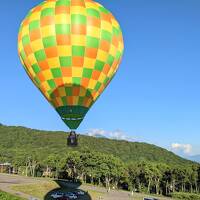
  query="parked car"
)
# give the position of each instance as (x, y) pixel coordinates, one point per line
(79, 193)
(57, 195)
(150, 198)
(71, 195)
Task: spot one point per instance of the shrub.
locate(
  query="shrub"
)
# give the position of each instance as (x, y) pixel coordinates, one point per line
(186, 196)
(6, 196)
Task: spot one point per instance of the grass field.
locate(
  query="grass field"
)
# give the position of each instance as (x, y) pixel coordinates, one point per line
(36, 190)
(6, 196)
(44, 190)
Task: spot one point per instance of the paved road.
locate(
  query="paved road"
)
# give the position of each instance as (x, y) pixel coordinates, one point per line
(118, 195)
(6, 181)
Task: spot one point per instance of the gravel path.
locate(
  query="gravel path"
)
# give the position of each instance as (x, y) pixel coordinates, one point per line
(119, 195)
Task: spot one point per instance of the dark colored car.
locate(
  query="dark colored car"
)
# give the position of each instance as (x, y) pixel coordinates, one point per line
(149, 198)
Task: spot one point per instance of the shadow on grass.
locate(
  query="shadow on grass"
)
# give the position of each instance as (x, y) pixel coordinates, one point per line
(68, 186)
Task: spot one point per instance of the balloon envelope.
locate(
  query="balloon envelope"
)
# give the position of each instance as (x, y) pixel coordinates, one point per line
(71, 50)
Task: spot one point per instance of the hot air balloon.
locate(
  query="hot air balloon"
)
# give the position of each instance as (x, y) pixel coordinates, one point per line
(71, 49)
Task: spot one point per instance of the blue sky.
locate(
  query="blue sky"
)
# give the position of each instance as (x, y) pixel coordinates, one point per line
(155, 96)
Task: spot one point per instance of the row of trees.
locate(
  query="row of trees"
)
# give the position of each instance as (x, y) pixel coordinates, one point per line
(109, 171)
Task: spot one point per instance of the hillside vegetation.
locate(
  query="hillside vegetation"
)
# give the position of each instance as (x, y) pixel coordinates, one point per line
(15, 141)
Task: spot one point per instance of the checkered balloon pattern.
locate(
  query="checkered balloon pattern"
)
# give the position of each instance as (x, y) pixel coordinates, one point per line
(71, 49)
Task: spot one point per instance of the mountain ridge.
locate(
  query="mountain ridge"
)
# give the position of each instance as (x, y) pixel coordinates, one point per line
(195, 158)
(16, 140)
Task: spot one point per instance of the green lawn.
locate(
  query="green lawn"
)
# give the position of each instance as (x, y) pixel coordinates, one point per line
(44, 190)
(6, 196)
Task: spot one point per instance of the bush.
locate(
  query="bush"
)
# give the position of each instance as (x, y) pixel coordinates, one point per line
(6, 196)
(186, 196)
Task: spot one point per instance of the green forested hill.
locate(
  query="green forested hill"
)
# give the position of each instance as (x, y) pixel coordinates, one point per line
(20, 142)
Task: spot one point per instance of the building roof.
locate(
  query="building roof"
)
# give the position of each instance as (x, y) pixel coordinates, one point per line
(5, 164)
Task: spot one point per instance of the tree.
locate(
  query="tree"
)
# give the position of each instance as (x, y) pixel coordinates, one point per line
(133, 172)
(73, 165)
(53, 162)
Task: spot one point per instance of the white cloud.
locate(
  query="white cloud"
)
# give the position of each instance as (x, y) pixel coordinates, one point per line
(117, 134)
(185, 148)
